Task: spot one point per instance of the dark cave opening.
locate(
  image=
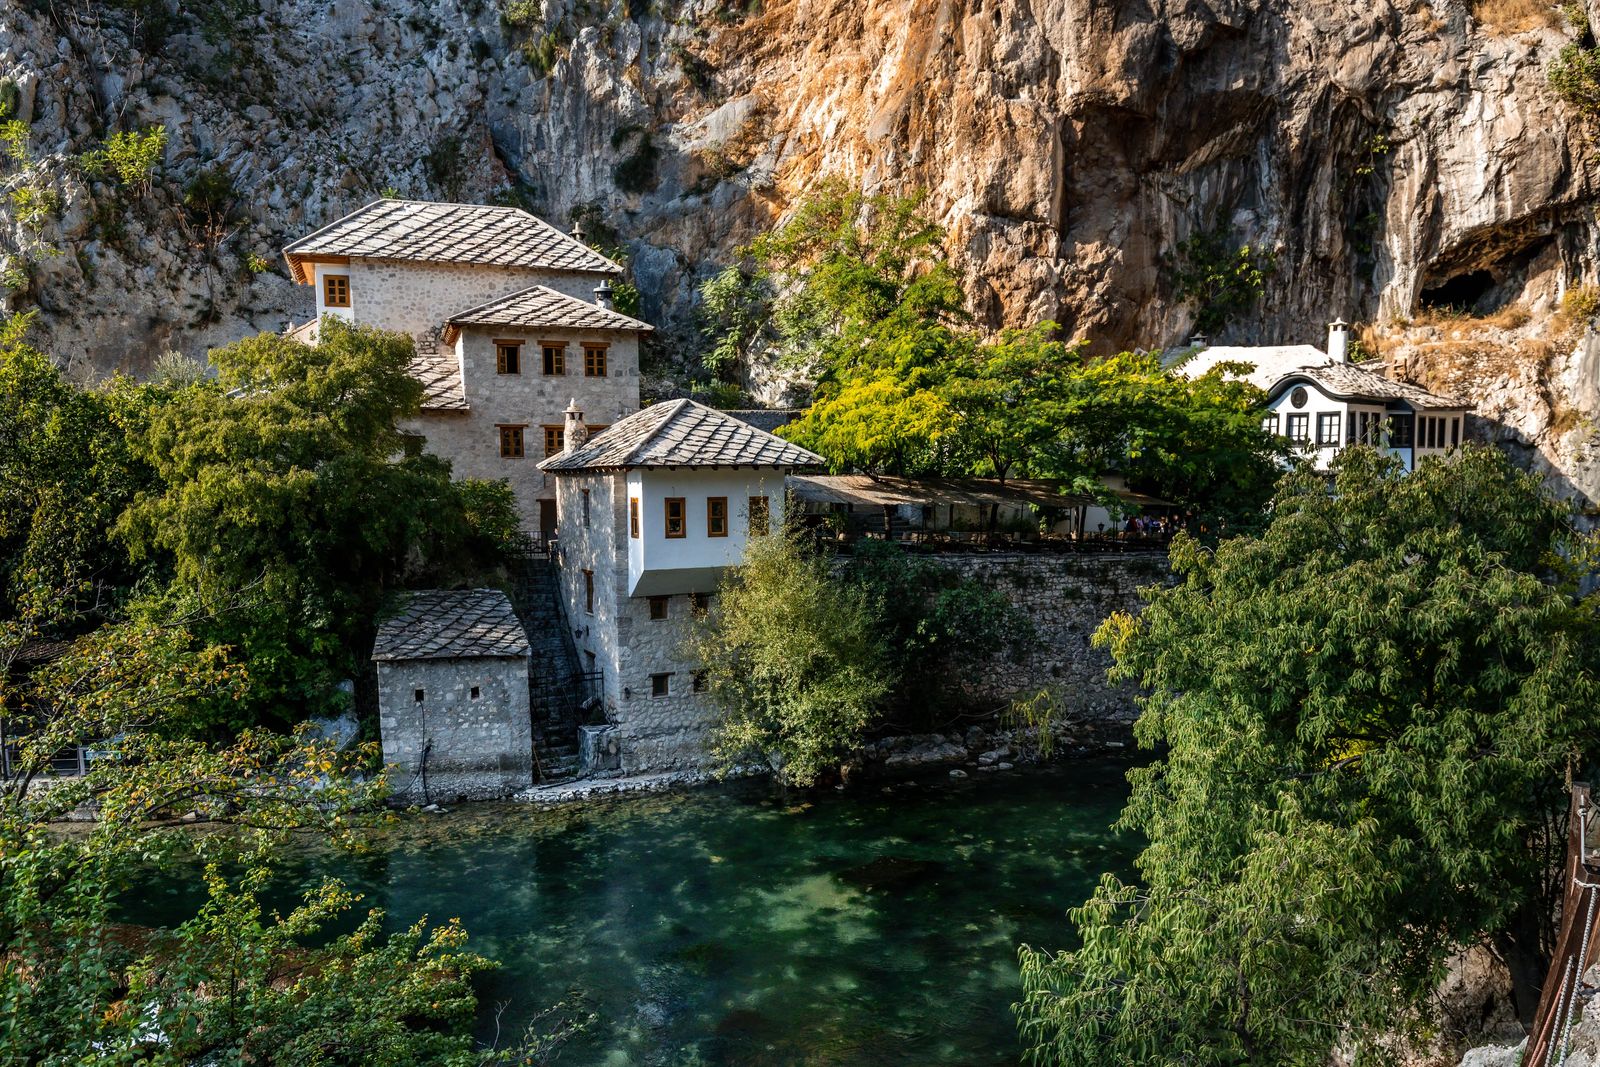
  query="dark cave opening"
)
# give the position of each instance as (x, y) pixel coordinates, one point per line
(1461, 293)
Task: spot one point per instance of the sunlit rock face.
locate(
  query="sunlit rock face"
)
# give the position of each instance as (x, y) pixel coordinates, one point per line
(1390, 154)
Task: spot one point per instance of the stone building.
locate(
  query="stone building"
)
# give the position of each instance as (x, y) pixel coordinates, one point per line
(1320, 401)
(453, 697)
(512, 319)
(651, 513)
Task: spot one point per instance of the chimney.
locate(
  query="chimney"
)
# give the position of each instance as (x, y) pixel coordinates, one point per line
(603, 295)
(1338, 341)
(577, 230)
(575, 433)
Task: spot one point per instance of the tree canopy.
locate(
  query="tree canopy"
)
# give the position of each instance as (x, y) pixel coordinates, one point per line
(1366, 716)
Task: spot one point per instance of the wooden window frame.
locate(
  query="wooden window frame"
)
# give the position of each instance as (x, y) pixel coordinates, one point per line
(502, 365)
(711, 516)
(510, 431)
(596, 356)
(661, 684)
(633, 518)
(553, 358)
(760, 506)
(328, 299)
(555, 434)
(588, 592)
(683, 517)
(659, 608)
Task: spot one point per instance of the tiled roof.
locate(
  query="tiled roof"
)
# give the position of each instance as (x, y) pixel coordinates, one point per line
(682, 433)
(768, 419)
(440, 376)
(448, 233)
(1268, 363)
(1347, 381)
(451, 624)
(541, 306)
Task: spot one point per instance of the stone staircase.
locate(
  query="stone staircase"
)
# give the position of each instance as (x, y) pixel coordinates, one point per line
(556, 689)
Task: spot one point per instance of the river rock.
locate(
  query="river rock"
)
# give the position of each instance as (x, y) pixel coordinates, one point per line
(918, 750)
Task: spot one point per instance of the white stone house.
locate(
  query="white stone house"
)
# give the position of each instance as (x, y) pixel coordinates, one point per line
(1320, 402)
(453, 697)
(511, 318)
(652, 512)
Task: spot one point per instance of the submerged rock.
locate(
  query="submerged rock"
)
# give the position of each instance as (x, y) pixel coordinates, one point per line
(889, 872)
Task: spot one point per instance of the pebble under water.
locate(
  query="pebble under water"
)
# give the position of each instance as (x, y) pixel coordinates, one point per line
(741, 926)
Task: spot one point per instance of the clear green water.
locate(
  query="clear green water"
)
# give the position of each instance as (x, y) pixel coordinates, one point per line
(737, 926)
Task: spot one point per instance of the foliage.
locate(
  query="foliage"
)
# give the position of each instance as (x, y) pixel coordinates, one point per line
(282, 477)
(234, 982)
(256, 263)
(1575, 77)
(210, 208)
(14, 138)
(32, 205)
(795, 662)
(735, 314)
(130, 156)
(1219, 278)
(1367, 714)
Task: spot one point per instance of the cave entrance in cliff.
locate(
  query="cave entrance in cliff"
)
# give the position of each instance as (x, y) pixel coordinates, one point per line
(1461, 293)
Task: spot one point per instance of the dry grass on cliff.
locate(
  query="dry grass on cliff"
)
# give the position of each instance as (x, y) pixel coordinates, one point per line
(1515, 16)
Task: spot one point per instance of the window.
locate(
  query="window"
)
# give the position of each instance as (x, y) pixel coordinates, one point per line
(1455, 431)
(419, 695)
(698, 680)
(717, 516)
(474, 693)
(588, 662)
(585, 493)
(676, 526)
(699, 603)
(1328, 429)
(1298, 396)
(1366, 428)
(1402, 431)
(588, 592)
(760, 516)
(660, 684)
(658, 607)
(1298, 425)
(510, 442)
(633, 517)
(594, 361)
(411, 445)
(555, 358)
(1269, 424)
(508, 357)
(336, 290)
(555, 438)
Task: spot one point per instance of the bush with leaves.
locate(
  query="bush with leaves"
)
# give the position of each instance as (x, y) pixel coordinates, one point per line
(1220, 278)
(1367, 716)
(131, 157)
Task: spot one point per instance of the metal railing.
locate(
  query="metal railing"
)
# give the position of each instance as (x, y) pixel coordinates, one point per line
(1565, 993)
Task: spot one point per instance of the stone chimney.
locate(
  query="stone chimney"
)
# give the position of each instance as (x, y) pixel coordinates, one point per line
(1338, 341)
(575, 433)
(603, 295)
(577, 231)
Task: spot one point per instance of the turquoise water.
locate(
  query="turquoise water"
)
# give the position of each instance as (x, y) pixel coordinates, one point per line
(740, 926)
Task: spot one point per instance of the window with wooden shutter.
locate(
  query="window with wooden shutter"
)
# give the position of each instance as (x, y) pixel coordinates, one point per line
(508, 357)
(555, 358)
(511, 442)
(336, 290)
(594, 361)
(717, 516)
(675, 511)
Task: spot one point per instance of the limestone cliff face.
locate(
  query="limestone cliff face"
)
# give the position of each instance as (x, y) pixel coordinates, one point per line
(1389, 153)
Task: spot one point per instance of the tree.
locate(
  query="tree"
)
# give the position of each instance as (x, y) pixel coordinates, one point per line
(285, 478)
(1367, 715)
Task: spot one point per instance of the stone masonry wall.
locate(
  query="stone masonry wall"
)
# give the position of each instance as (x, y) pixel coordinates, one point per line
(1066, 598)
(481, 748)
(471, 440)
(418, 297)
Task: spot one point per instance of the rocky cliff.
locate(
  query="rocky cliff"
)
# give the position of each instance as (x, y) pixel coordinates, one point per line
(1388, 156)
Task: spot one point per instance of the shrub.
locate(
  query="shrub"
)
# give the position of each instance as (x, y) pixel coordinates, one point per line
(1575, 77)
(1221, 279)
(131, 157)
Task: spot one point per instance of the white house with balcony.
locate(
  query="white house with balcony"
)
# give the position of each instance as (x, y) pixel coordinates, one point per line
(651, 513)
(1320, 401)
(511, 318)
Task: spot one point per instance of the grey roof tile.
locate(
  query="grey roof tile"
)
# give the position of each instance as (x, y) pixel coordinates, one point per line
(440, 376)
(450, 233)
(541, 306)
(1348, 381)
(452, 624)
(682, 433)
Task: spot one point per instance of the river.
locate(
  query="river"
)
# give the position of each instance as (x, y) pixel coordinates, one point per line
(741, 926)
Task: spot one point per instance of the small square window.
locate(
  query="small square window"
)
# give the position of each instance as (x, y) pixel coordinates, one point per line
(418, 696)
(508, 357)
(554, 439)
(717, 516)
(699, 678)
(676, 526)
(555, 358)
(475, 693)
(511, 444)
(594, 361)
(336, 290)
(658, 607)
(661, 685)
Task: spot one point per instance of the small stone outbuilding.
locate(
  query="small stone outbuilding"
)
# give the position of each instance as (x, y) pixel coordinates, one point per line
(453, 697)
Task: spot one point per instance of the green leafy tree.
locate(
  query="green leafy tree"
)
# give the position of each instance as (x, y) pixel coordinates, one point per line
(1219, 278)
(1366, 717)
(284, 478)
